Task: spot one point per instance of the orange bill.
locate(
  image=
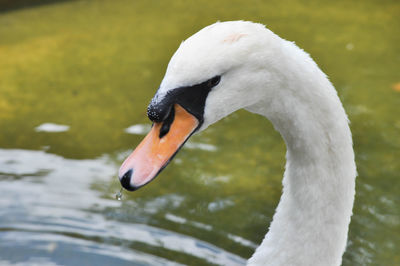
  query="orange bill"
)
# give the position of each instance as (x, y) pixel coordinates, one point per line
(154, 153)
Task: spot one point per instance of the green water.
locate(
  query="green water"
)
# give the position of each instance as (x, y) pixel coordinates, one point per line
(94, 66)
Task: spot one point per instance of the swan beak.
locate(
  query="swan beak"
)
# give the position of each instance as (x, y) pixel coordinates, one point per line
(156, 150)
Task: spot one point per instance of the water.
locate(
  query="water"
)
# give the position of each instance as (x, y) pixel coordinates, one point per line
(51, 214)
(75, 81)
(118, 196)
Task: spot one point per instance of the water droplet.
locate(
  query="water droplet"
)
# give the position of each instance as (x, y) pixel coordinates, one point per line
(118, 196)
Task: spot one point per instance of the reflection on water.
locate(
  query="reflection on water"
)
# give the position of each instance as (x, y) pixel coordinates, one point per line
(51, 215)
(139, 129)
(50, 127)
(36, 247)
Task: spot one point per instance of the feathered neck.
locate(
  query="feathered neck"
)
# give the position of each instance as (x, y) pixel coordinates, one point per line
(311, 221)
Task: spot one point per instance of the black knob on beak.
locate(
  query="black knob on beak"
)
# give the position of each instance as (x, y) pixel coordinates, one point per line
(159, 111)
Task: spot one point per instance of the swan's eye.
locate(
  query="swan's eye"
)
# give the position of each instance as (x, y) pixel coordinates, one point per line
(213, 82)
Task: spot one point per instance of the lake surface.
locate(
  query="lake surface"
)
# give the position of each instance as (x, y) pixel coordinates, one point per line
(75, 81)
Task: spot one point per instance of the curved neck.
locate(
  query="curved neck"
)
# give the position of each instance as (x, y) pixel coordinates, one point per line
(311, 221)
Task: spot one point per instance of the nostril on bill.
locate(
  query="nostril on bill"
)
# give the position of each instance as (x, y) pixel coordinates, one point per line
(167, 123)
(126, 180)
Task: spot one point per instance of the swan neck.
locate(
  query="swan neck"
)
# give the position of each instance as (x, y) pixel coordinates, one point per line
(311, 222)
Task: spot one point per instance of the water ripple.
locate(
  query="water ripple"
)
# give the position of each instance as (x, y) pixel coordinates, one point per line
(46, 220)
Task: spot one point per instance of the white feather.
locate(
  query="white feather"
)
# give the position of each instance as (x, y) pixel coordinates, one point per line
(273, 77)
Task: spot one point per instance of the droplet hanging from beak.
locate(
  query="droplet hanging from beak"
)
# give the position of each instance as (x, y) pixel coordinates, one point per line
(118, 196)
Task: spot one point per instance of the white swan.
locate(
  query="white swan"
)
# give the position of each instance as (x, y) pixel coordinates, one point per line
(233, 65)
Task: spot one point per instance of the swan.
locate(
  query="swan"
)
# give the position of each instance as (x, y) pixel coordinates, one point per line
(237, 64)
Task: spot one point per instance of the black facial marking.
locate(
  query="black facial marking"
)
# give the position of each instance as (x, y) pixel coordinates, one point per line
(159, 112)
(191, 98)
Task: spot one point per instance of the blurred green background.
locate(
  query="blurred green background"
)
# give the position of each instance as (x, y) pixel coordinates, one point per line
(94, 66)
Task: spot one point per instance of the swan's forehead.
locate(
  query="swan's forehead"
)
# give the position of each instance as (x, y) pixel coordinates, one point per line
(210, 52)
(196, 60)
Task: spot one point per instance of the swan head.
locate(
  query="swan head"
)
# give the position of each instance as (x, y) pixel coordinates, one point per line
(215, 72)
